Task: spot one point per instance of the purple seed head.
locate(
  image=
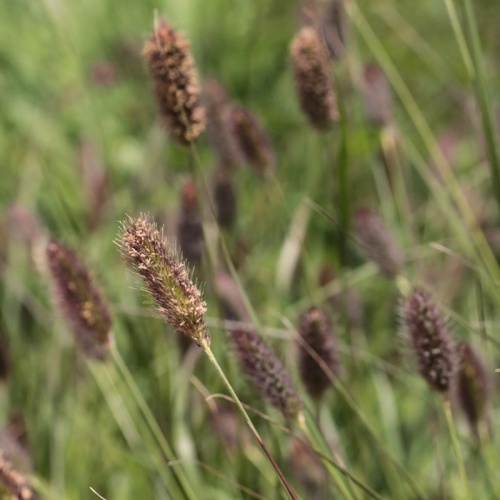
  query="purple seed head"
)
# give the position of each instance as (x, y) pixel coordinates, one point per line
(177, 299)
(471, 385)
(266, 373)
(317, 336)
(378, 242)
(79, 300)
(430, 339)
(377, 96)
(252, 142)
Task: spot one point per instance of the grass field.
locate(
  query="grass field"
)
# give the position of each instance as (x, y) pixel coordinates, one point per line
(83, 145)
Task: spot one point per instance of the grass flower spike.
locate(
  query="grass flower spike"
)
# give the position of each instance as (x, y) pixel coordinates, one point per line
(176, 83)
(378, 242)
(430, 339)
(266, 373)
(317, 336)
(312, 78)
(80, 300)
(472, 385)
(177, 299)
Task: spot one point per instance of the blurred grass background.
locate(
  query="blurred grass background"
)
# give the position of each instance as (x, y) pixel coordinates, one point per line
(74, 90)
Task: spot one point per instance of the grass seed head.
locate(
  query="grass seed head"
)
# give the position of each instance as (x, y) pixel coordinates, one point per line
(176, 83)
(177, 299)
(253, 143)
(430, 339)
(266, 373)
(79, 300)
(317, 336)
(13, 484)
(313, 82)
(218, 107)
(224, 195)
(378, 242)
(471, 385)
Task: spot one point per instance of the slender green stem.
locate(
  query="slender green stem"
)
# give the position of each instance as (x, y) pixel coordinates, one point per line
(456, 446)
(316, 443)
(152, 423)
(206, 347)
(483, 98)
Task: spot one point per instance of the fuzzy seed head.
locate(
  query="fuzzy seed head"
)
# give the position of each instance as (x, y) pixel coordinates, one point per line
(313, 82)
(13, 484)
(266, 373)
(333, 27)
(167, 280)
(176, 83)
(251, 140)
(471, 385)
(377, 97)
(79, 300)
(316, 334)
(430, 339)
(378, 242)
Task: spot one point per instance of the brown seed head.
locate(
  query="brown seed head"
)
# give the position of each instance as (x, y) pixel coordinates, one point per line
(177, 299)
(471, 385)
(13, 484)
(313, 82)
(317, 336)
(377, 97)
(266, 373)
(429, 336)
(378, 242)
(79, 300)
(252, 141)
(176, 83)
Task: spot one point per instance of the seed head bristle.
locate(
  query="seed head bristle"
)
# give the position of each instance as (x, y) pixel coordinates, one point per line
(471, 385)
(266, 373)
(253, 143)
(177, 299)
(316, 334)
(79, 300)
(176, 83)
(13, 484)
(378, 242)
(430, 339)
(313, 82)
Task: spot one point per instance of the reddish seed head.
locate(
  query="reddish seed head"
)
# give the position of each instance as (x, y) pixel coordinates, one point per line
(13, 484)
(176, 83)
(79, 300)
(429, 336)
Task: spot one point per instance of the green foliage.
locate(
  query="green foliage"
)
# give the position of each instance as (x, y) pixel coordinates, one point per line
(154, 422)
